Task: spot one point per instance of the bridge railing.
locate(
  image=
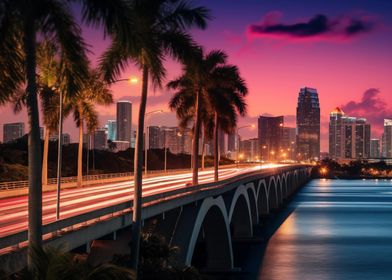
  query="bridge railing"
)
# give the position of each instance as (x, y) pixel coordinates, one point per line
(119, 209)
(12, 185)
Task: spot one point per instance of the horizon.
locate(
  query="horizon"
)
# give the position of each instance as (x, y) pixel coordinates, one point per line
(348, 66)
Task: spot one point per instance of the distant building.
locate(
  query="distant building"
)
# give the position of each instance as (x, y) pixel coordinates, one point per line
(178, 141)
(387, 139)
(249, 150)
(111, 127)
(270, 132)
(308, 124)
(231, 142)
(124, 121)
(122, 145)
(155, 137)
(289, 139)
(66, 138)
(375, 151)
(349, 137)
(13, 131)
(100, 139)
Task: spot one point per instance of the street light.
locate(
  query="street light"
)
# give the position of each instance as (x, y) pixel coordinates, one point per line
(238, 137)
(146, 138)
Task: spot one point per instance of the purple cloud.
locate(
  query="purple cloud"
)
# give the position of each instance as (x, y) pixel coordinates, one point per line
(372, 107)
(319, 27)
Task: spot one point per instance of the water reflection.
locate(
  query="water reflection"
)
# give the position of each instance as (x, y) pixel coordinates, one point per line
(338, 230)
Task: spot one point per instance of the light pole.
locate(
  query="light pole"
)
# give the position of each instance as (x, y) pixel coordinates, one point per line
(238, 139)
(146, 138)
(59, 155)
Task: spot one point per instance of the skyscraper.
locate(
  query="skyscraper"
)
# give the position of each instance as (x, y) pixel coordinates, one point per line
(308, 124)
(375, 148)
(13, 131)
(111, 127)
(387, 139)
(100, 139)
(124, 121)
(270, 133)
(289, 140)
(349, 137)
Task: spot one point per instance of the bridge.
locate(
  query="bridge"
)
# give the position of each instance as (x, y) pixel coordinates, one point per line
(206, 217)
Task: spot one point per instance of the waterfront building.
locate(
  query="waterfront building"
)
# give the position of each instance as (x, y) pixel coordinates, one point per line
(124, 121)
(375, 148)
(308, 124)
(13, 131)
(111, 127)
(270, 134)
(249, 150)
(289, 138)
(387, 139)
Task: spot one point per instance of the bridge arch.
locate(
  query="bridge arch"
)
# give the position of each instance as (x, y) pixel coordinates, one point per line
(252, 194)
(212, 225)
(262, 198)
(273, 196)
(240, 214)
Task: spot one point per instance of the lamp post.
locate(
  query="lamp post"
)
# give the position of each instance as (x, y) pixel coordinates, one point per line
(238, 137)
(146, 135)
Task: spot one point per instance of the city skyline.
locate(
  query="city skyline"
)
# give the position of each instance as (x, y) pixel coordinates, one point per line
(332, 64)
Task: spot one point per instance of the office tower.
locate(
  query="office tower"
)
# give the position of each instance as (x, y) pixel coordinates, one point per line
(349, 137)
(270, 133)
(249, 150)
(111, 126)
(387, 139)
(231, 142)
(155, 137)
(175, 139)
(13, 131)
(124, 121)
(308, 124)
(100, 139)
(289, 139)
(375, 148)
(66, 138)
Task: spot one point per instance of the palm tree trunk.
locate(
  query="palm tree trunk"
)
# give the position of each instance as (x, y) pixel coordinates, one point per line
(216, 148)
(138, 166)
(80, 153)
(45, 158)
(34, 151)
(203, 148)
(196, 134)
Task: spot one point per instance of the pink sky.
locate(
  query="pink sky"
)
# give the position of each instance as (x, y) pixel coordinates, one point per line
(275, 68)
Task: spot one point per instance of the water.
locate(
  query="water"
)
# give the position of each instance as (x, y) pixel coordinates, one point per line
(335, 229)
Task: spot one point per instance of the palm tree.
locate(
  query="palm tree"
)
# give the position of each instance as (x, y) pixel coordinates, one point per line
(211, 93)
(159, 29)
(191, 99)
(95, 91)
(227, 102)
(20, 22)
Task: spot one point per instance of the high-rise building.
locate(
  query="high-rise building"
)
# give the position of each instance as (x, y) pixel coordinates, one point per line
(100, 139)
(387, 139)
(289, 139)
(375, 148)
(231, 142)
(308, 124)
(270, 132)
(178, 141)
(111, 126)
(249, 150)
(155, 137)
(349, 137)
(124, 121)
(13, 131)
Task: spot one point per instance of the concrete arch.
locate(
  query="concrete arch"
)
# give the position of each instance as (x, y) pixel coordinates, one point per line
(262, 198)
(280, 191)
(240, 215)
(284, 186)
(252, 194)
(213, 220)
(273, 198)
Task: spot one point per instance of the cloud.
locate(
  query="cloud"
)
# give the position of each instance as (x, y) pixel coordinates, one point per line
(371, 106)
(319, 27)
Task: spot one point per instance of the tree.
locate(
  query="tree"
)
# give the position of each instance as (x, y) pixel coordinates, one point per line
(20, 22)
(191, 99)
(94, 91)
(159, 29)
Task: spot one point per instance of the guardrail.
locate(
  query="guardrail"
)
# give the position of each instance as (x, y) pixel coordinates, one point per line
(89, 178)
(85, 218)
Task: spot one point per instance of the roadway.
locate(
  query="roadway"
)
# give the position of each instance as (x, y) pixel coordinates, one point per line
(14, 211)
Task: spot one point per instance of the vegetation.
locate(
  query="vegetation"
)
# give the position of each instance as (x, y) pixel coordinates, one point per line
(354, 169)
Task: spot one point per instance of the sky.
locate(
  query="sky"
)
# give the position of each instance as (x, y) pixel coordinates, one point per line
(341, 48)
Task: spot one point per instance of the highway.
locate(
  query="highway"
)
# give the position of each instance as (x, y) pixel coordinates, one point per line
(76, 201)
